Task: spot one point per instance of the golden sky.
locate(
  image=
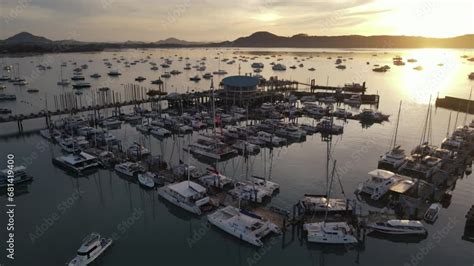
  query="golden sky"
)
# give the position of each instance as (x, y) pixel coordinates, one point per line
(217, 20)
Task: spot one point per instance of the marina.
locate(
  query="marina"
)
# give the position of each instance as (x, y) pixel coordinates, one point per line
(251, 162)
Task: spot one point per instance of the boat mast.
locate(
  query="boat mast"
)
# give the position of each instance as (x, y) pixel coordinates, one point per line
(467, 108)
(396, 128)
(449, 124)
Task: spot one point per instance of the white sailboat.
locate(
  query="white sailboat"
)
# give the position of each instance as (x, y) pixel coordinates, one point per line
(395, 158)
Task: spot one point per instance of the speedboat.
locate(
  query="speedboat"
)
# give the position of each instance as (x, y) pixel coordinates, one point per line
(432, 213)
(399, 227)
(76, 163)
(242, 224)
(129, 168)
(188, 195)
(379, 182)
(92, 247)
(330, 233)
(146, 179)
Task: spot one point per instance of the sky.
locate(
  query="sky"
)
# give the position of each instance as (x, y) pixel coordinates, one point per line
(219, 20)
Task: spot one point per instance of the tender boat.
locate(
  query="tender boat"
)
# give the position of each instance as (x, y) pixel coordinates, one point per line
(147, 179)
(244, 225)
(92, 247)
(188, 195)
(399, 227)
(432, 213)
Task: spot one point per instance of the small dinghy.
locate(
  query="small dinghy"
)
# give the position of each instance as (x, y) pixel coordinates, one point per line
(432, 213)
(146, 179)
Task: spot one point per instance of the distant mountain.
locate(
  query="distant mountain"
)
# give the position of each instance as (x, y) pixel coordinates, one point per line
(266, 39)
(25, 42)
(26, 38)
(176, 41)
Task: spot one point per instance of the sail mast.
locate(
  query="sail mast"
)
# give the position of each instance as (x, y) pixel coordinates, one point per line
(396, 128)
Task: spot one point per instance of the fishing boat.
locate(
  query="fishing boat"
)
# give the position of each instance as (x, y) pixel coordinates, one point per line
(76, 163)
(147, 179)
(14, 176)
(432, 213)
(188, 195)
(129, 168)
(399, 227)
(92, 247)
(242, 224)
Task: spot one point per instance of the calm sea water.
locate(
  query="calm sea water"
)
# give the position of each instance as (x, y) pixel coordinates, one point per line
(56, 211)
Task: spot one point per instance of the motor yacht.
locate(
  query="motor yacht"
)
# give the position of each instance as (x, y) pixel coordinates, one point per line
(399, 227)
(92, 247)
(379, 182)
(188, 195)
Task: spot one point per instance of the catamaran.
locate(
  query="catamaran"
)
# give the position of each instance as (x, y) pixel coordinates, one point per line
(77, 163)
(245, 225)
(188, 195)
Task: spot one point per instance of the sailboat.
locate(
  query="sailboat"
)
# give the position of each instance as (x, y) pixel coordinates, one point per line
(188, 195)
(330, 232)
(393, 159)
(63, 81)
